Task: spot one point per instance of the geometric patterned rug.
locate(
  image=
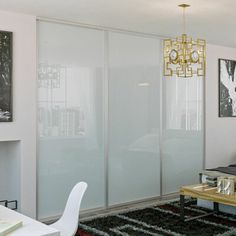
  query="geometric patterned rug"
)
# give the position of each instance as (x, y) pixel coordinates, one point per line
(160, 220)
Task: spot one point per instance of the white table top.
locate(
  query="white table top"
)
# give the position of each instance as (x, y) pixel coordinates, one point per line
(30, 226)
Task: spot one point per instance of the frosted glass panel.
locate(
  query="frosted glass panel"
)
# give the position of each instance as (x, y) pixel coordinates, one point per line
(71, 119)
(182, 150)
(70, 116)
(134, 95)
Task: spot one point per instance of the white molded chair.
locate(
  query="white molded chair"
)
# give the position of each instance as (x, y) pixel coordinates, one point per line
(68, 223)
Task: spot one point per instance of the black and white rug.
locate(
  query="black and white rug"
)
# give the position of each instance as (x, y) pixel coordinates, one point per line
(161, 220)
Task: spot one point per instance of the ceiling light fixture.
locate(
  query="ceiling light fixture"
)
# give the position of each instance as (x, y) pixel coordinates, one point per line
(183, 56)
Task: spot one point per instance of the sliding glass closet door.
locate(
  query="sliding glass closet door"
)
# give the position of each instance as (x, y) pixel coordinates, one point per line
(134, 111)
(70, 116)
(100, 119)
(183, 132)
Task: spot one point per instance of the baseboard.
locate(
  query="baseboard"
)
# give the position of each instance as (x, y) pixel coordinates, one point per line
(87, 214)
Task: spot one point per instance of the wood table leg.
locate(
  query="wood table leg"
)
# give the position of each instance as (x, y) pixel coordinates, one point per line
(216, 210)
(182, 207)
(216, 207)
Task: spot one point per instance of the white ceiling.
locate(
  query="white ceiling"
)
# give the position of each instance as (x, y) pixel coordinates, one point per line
(213, 20)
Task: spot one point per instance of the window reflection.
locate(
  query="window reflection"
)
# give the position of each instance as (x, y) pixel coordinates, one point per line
(66, 101)
(183, 104)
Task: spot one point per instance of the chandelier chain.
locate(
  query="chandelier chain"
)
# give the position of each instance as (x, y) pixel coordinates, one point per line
(184, 21)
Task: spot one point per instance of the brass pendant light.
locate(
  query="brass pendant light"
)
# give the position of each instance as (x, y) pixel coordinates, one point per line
(183, 56)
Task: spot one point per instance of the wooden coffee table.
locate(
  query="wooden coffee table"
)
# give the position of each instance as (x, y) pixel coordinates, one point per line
(205, 192)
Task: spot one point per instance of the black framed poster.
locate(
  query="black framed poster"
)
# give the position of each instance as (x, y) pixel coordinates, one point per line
(227, 88)
(5, 76)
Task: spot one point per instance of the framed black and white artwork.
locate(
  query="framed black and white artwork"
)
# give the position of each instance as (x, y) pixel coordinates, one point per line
(5, 76)
(227, 88)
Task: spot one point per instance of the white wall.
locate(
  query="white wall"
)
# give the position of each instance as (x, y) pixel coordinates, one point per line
(220, 144)
(23, 127)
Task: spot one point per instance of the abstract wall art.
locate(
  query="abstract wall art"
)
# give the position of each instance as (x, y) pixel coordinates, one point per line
(227, 88)
(5, 76)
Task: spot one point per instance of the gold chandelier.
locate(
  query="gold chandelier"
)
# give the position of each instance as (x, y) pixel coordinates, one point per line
(183, 56)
